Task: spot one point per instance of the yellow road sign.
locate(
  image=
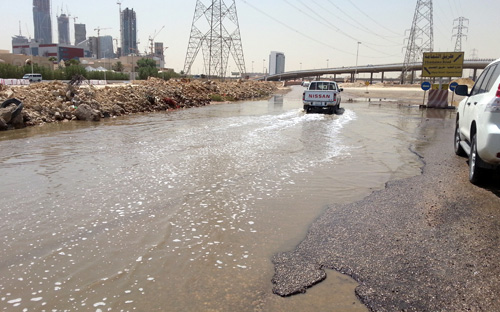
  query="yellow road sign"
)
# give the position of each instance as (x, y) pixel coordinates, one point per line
(443, 64)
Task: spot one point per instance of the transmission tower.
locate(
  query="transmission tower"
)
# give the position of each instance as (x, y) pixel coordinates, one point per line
(218, 35)
(460, 32)
(421, 38)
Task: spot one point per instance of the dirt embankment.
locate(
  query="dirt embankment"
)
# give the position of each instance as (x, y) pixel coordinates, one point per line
(57, 101)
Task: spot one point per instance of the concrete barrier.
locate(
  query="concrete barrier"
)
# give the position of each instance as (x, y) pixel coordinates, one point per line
(14, 82)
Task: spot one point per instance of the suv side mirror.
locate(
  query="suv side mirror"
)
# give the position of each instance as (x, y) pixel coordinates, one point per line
(462, 90)
(341, 89)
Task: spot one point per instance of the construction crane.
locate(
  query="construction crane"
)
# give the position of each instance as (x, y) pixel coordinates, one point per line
(98, 29)
(151, 40)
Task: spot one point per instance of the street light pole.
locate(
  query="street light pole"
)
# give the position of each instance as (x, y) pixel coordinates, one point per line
(327, 60)
(105, 65)
(356, 69)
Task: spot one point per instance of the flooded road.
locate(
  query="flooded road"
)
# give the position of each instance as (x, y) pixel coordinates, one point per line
(183, 211)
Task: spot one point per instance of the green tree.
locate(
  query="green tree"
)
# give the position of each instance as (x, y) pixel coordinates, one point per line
(145, 62)
(147, 68)
(118, 66)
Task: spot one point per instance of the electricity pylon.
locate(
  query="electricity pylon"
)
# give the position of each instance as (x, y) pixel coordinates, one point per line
(460, 32)
(218, 35)
(421, 38)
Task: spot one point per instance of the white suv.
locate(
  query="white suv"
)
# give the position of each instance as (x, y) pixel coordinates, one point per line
(477, 130)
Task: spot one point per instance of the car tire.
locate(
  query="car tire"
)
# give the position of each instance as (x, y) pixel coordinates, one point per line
(475, 172)
(458, 148)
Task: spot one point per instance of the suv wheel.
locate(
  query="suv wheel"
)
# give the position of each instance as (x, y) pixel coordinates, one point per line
(458, 149)
(475, 172)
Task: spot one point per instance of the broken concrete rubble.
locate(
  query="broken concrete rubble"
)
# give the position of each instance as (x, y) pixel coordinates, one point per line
(57, 101)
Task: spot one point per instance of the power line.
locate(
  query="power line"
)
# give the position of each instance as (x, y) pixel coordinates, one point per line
(295, 30)
(375, 21)
(354, 23)
(327, 23)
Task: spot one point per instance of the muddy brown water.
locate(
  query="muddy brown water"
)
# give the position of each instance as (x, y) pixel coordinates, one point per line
(183, 211)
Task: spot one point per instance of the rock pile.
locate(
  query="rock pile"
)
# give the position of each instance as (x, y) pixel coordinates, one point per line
(58, 101)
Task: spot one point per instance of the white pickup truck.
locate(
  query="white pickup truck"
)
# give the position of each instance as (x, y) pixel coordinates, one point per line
(322, 97)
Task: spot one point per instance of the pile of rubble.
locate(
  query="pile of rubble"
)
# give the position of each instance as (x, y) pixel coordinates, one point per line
(58, 101)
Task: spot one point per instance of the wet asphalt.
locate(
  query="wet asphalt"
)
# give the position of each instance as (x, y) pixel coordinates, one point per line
(426, 243)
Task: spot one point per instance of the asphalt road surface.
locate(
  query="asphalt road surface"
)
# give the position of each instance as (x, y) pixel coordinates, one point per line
(426, 243)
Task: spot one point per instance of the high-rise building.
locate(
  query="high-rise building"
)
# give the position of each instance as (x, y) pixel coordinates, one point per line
(129, 31)
(159, 49)
(106, 49)
(42, 22)
(80, 33)
(276, 63)
(63, 29)
(101, 47)
(21, 42)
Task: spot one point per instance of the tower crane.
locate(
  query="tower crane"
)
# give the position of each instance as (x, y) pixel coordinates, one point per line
(98, 29)
(152, 38)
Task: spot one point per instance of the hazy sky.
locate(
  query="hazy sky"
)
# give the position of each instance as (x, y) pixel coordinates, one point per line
(311, 33)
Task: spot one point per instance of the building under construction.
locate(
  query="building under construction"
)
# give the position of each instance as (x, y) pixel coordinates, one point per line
(63, 29)
(80, 33)
(128, 31)
(42, 21)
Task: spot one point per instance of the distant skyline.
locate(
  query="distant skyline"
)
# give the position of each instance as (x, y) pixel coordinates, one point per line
(311, 34)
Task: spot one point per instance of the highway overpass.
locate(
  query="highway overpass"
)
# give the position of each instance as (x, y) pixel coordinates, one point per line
(371, 69)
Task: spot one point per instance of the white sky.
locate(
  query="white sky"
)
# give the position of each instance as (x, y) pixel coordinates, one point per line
(309, 32)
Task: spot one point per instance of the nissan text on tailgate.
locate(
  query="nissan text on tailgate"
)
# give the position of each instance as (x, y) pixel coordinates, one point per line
(322, 97)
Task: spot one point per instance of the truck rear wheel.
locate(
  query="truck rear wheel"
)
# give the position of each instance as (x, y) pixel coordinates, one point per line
(332, 110)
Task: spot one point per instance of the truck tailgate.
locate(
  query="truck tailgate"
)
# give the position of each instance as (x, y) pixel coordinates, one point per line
(319, 96)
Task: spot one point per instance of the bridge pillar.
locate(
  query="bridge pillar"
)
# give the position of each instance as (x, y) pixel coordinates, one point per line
(474, 76)
(352, 77)
(382, 79)
(371, 78)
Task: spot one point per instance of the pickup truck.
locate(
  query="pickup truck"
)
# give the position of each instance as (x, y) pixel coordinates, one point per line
(322, 97)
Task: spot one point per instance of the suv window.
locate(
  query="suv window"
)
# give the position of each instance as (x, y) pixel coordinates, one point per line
(477, 86)
(485, 86)
(494, 75)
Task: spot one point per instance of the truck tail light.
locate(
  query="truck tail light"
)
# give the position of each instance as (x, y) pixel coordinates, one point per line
(303, 96)
(498, 91)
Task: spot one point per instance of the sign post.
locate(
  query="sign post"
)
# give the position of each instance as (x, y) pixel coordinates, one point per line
(453, 85)
(425, 86)
(441, 64)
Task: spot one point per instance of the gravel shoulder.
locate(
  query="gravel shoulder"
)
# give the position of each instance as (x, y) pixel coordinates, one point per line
(426, 243)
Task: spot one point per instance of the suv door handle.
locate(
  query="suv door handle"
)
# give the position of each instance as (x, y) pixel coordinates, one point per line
(475, 103)
(468, 104)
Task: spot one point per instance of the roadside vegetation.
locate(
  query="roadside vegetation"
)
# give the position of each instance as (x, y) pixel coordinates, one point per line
(145, 67)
